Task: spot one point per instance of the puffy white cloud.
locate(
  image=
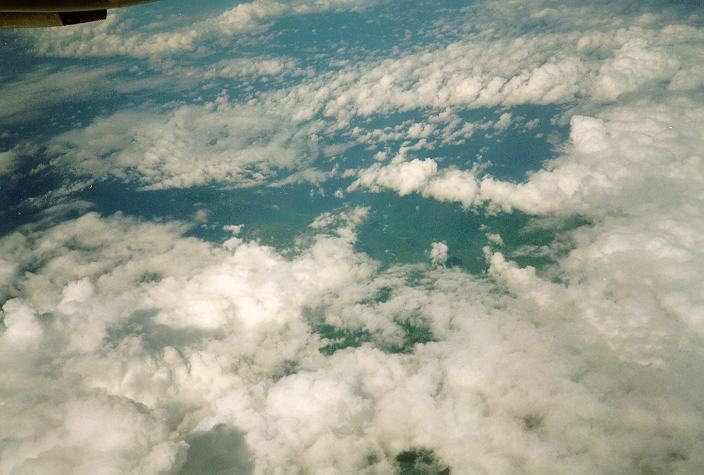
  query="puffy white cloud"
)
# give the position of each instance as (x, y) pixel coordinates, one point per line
(171, 336)
(257, 14)
(452, 185)
(633, 66)
(636, 171)
(588, 134)
(613, 163)
(476, 70)
(189, 145)
(495, 238)
(634, 159)
(438, 253)
(470, 73)
(112, 37)
(504, 121)
(257, 67)
(135, 442)
(328, 362)
(21, 325)
(441, 129)
(404, 176)
(489, 64)
(117, 37)
(419, 176)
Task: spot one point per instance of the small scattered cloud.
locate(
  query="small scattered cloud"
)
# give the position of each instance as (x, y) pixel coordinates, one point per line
(438, 253)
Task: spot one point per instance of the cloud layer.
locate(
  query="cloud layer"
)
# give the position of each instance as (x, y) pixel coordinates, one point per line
(170, 335)
(118, 37)
(131, 346)
(187, 146)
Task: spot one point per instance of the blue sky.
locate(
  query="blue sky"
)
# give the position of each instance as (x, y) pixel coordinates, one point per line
(354, 236)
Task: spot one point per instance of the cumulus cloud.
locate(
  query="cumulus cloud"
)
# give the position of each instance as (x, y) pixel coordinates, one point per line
(491, 65)
(317, 358)
(189, 145)
(440, 129)
(111, 37)
(637, 158)
(634, 65)
(419, 176)
(614, 163)
(635, 171)
(258, 13)
(438, 253)
(478, 70)
(117, 36)
(256, 67)
(504, 121)
(462, 74)
(171, 338)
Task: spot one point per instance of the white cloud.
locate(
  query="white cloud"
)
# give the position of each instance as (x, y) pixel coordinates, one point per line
(258, 14)
(257, 66)
(405, 176)
(112, 37)
(452, 185)
(633, 66)
(488, 67)
(636, 172)
(117, 36)
(21, 325)
(438, 253)
(443, 128)
(34, 92)
(481, 69)
(612, 164)
(589, 364)
(8, 161)
(171, 336)
(495, 239)
(186, 146)
(629, 159)
(419, 176)
(504, 121)
(463, 74)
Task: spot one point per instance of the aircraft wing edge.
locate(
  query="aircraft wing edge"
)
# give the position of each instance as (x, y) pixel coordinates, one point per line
(40, 19)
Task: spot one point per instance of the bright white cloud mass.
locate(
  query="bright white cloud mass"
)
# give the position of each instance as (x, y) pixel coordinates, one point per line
(355, 237)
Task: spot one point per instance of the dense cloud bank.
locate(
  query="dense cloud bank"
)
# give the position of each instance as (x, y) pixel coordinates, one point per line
(127, 346)
(109, 322)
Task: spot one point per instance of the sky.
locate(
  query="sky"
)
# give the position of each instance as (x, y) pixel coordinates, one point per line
(354, 236)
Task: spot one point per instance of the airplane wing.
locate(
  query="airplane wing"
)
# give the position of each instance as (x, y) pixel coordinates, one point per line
(43, 13)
